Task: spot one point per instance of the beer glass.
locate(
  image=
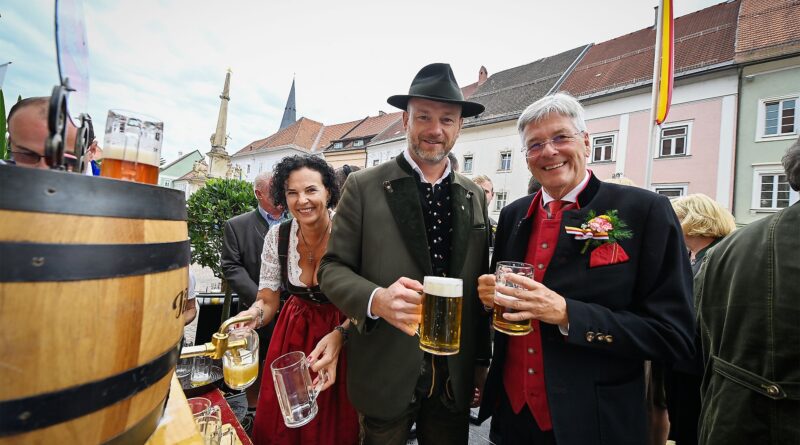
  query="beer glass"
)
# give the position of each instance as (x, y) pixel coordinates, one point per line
(440, 329)
(240, 365)
(296, 395)
(199, 405)
(132, 147)
(210, 425)
(201, 371)
(498, 322)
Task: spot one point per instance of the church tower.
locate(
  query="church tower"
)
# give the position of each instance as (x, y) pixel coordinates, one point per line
(290, 112)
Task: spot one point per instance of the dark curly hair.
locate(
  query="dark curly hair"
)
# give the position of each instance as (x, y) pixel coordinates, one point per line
(282, 170)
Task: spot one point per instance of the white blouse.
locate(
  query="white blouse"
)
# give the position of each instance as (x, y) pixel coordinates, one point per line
(270, 276)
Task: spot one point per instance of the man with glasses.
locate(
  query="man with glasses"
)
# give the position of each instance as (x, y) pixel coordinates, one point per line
(611, 288)
(28, 132)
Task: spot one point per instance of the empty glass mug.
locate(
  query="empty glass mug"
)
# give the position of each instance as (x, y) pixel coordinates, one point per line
(498, 322)
(240, 365)
(296, 395)
(440, 329)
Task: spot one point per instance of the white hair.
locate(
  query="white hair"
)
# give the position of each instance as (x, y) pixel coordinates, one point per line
(559, 103)
(262, 180)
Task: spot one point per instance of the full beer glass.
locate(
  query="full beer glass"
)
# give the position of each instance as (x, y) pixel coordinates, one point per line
(296, 395)
(240, 365)
(498, 322)
(440, 330)
(132, 147)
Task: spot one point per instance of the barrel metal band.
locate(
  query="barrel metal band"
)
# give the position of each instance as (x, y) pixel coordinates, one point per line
(43, 410)
(37, 262)
(49, 191)
(142, 430)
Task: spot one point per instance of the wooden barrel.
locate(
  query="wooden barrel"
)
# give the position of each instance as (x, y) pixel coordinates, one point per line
(93, 277)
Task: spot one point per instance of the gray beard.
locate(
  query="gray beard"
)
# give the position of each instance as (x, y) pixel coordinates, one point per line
(433, 158)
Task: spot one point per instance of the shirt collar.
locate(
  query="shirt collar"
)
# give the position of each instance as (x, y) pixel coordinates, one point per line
(271, 221)
(572, 196)
(416, 168)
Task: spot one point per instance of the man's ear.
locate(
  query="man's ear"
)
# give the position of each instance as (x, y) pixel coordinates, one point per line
(405, 120)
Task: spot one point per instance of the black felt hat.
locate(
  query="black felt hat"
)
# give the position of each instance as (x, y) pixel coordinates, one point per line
(437, 82)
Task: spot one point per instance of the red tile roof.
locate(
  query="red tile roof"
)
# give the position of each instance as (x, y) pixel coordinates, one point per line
(373, 125)
(767, 28)
(333, 132)
(703, 38)
(302, 134)
(469, 90)
(393, 131)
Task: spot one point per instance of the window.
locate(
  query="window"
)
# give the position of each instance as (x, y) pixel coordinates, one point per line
(260, 167)
(674, 141)
(780, 117)
(375, 162)
(338, 144)
(500, 200)
(248, 169)
(603, 148)
(774, 191)
(467, 163)
(505, 161)
(671, 191)
(358, 143)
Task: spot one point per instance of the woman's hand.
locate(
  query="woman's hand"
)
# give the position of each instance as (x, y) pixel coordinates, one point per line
(324, 358)
(486, 285)
(255, 313)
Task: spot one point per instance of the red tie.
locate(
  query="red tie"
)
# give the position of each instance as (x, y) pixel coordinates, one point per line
(554, 207)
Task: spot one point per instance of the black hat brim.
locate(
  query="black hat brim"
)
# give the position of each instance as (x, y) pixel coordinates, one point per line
(468, 109)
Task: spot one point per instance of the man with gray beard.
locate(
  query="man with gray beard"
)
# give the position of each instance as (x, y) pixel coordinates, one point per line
(397, 223)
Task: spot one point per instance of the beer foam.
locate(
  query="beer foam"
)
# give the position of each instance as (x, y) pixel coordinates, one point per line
(443, 286)
(131, 154)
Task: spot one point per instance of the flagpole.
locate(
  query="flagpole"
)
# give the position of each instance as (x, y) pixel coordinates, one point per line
(654, 129)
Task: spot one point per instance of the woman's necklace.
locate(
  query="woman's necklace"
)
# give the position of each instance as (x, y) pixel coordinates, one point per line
(309, 250)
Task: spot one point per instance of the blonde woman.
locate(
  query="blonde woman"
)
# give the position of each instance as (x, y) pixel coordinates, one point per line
(704, 224)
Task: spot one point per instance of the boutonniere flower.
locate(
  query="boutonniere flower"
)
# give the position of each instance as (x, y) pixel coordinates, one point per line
(597, 230)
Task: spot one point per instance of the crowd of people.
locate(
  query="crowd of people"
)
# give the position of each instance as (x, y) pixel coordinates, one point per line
(651, 319)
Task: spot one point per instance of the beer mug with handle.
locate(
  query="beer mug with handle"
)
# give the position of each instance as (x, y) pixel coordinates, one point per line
(499, 323)
(440, 330)
(297, 396)
(240, 365)
(132, 147)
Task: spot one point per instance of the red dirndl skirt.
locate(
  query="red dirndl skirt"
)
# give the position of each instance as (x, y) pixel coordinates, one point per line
(300, 326)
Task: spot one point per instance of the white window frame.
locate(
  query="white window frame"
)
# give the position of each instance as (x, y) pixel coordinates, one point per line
(687, 151)
(358, 143)
(338, 144)
(376, 162)
(682, 187)
(471, 163)
(769, 169)
(613, 136)
(762, 116)
(500, 200)
(510, 161)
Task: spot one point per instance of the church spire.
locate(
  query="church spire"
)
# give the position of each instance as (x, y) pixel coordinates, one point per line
(290, 112)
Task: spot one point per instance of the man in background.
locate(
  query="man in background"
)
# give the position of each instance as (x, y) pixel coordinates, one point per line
(241, 259)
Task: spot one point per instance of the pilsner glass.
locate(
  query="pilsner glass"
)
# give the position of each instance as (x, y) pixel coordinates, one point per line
(201, 371)
(240, 365)
(498, 322)
(440, 330)
(132, 147)
(296, 396)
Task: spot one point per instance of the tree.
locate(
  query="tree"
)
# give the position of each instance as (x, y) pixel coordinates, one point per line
(208, 209)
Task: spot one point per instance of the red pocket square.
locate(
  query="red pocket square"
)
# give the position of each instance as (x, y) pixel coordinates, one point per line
(608, 254)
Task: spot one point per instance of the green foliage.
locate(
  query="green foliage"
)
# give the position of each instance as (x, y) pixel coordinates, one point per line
(3, 140)
(208, 209)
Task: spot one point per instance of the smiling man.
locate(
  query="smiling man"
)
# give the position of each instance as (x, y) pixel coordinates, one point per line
(611, 288)
(395, 224)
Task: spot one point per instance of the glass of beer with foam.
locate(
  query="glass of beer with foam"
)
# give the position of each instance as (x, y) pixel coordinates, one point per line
(132, 147)
(440, 329)
(240, 365)
(498, 322)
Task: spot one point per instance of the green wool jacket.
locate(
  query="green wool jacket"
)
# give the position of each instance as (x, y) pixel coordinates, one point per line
(748, 307)
(378, 236)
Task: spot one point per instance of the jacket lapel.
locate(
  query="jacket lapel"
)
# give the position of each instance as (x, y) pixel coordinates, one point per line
(402, 196)
(462, 217)
(260, 224)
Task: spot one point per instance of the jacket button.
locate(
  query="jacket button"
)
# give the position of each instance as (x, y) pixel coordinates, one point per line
(609, 339)
(540, 266)
(531, 350)
(773, 390)
(590, 336)
(601, 337)
(531, 371)
(544, 245)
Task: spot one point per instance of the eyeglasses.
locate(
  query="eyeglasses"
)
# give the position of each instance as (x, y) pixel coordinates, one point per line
(559, 141)
(31, 158)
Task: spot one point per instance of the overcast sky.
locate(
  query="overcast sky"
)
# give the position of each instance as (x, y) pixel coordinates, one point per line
(168, 58)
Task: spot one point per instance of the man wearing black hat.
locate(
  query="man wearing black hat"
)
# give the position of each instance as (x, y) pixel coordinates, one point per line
(397, 223)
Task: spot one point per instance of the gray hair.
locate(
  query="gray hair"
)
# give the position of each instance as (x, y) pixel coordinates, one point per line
(482, 179)
(791, 163)
(262, 180)
(559, 103)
